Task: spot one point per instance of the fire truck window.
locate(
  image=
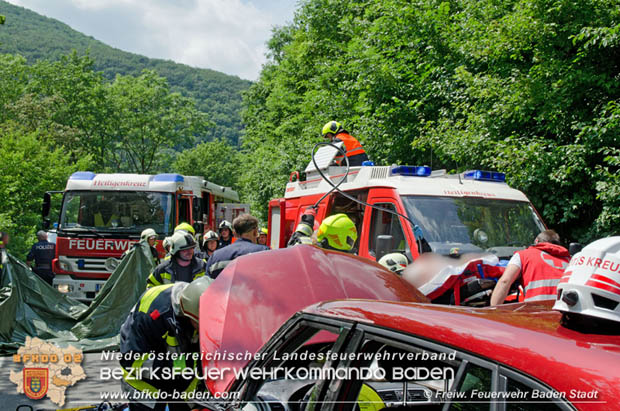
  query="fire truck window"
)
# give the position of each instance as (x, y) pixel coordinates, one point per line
(184, 210)
(384, 223)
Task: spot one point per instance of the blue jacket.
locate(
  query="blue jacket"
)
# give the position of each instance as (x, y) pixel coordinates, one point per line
(42, 253)
(223, 256)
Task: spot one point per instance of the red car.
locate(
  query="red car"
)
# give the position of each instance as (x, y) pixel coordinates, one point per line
(373, 355)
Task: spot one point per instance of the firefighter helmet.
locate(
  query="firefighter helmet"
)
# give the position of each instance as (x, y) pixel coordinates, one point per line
(331, 127)
(263, 231)
(337, 232)
(181, 240)
(210, 235)
(166, 244)
(190, 297)
(148, 233)
(591, 282)
(395, 262)
(185, 227)
(225, 224)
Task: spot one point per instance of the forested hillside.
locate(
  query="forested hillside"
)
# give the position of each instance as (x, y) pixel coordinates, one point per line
(37, 37)
(527, 87)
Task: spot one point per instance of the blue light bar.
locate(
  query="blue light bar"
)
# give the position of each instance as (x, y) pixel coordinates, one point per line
(169, 178)
(82, 175)
(412, 171)
(481, 175)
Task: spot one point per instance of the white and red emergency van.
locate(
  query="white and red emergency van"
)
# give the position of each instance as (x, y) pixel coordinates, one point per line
(102, 215)
(473, 211)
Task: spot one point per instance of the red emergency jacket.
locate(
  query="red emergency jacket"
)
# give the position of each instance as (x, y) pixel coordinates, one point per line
(355, 152)
(542, 266)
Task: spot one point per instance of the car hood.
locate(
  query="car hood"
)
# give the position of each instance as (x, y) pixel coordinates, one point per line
(257, 293)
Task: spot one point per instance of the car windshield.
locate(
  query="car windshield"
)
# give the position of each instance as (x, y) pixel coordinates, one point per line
(127, 212)
(474, 224)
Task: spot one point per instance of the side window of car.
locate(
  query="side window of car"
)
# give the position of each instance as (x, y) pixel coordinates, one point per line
(476, 381)
(297, 364)
(385, 223)
(524, 394)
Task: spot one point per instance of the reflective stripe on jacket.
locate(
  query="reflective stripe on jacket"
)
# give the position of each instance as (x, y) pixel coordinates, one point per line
(355, 152)
(542, 266)
(165, 273)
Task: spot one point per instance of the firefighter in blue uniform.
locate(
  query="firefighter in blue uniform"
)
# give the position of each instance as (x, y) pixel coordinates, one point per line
(164, 320)
(42, 253)
(246, 230)
(183, 264)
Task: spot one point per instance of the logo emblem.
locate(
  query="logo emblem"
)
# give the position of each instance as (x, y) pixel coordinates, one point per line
(35, 382)
(559, 265)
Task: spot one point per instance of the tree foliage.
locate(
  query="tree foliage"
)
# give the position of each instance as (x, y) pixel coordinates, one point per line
(215, 160)
(30, 166)
(528, 87)
(40, 38)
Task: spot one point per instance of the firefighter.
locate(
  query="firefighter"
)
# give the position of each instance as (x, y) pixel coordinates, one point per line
(164, 320)
(42, 253)
(183, 264)
(588, 295)
(305, 229)
(148, 236)
(209, 244)
(246, 230)
(225, 229)
(185, 227)
(337, 232)
(355, 152)
(262, 236)
(395, 262)
(538, 267)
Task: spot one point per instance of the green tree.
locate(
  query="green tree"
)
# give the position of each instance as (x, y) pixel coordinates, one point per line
(217, 161)
(29, 168)
(147, 118)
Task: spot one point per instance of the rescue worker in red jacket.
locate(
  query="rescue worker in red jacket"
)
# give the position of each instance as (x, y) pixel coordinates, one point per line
(355, 152)
(538, 267)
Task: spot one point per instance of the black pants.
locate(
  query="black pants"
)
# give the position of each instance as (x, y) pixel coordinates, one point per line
(46, 276)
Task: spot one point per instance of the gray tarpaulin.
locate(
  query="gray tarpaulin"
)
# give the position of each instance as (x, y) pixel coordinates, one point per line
(31, 307)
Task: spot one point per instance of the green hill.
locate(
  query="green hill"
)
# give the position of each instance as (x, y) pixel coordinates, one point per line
(37, 37)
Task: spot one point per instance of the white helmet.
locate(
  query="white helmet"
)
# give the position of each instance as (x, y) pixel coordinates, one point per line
(225, 224)
(190, 297)
(181, 240)
(395, 262)
(591, 283)
(210, 235)
(148, 233)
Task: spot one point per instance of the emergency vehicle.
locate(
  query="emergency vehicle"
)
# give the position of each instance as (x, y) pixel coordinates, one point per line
(461, 213)
(102, 215)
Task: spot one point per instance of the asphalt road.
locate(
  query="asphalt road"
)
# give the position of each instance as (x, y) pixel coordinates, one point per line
(84, 392)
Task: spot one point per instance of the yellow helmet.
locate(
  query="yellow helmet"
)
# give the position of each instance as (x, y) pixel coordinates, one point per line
(263, 231)
(331, 127)
(337, 232)
(185, 227)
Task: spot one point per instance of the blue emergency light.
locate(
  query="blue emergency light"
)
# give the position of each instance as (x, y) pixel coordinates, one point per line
(412, 171)
(82, 175)
(481, 175)
(168, 178)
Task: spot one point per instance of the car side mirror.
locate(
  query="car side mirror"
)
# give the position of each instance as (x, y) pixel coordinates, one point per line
(384, 245)
(574, 248)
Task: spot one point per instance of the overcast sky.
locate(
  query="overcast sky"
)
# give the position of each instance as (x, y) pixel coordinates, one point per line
(223, 35)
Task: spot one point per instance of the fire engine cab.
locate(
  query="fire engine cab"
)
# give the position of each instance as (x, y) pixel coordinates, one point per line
(102, 215)
(473, 211)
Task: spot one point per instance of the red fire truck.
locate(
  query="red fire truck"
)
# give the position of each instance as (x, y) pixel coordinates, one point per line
(469, 212)
(103, 214)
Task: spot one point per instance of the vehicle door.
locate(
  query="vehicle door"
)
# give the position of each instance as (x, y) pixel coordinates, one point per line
(380, 222)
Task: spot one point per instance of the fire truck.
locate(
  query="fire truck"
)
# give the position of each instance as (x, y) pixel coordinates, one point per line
(474, 211)
(102, 215)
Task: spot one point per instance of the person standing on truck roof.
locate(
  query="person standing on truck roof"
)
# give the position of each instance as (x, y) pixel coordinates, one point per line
(246, 230)
(355, 152)
(164, 320)
(226, 237)
(42, 253)
(183, 264)
(538, 267)
(209, 244)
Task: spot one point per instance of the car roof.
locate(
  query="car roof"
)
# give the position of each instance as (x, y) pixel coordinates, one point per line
(526, 337)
